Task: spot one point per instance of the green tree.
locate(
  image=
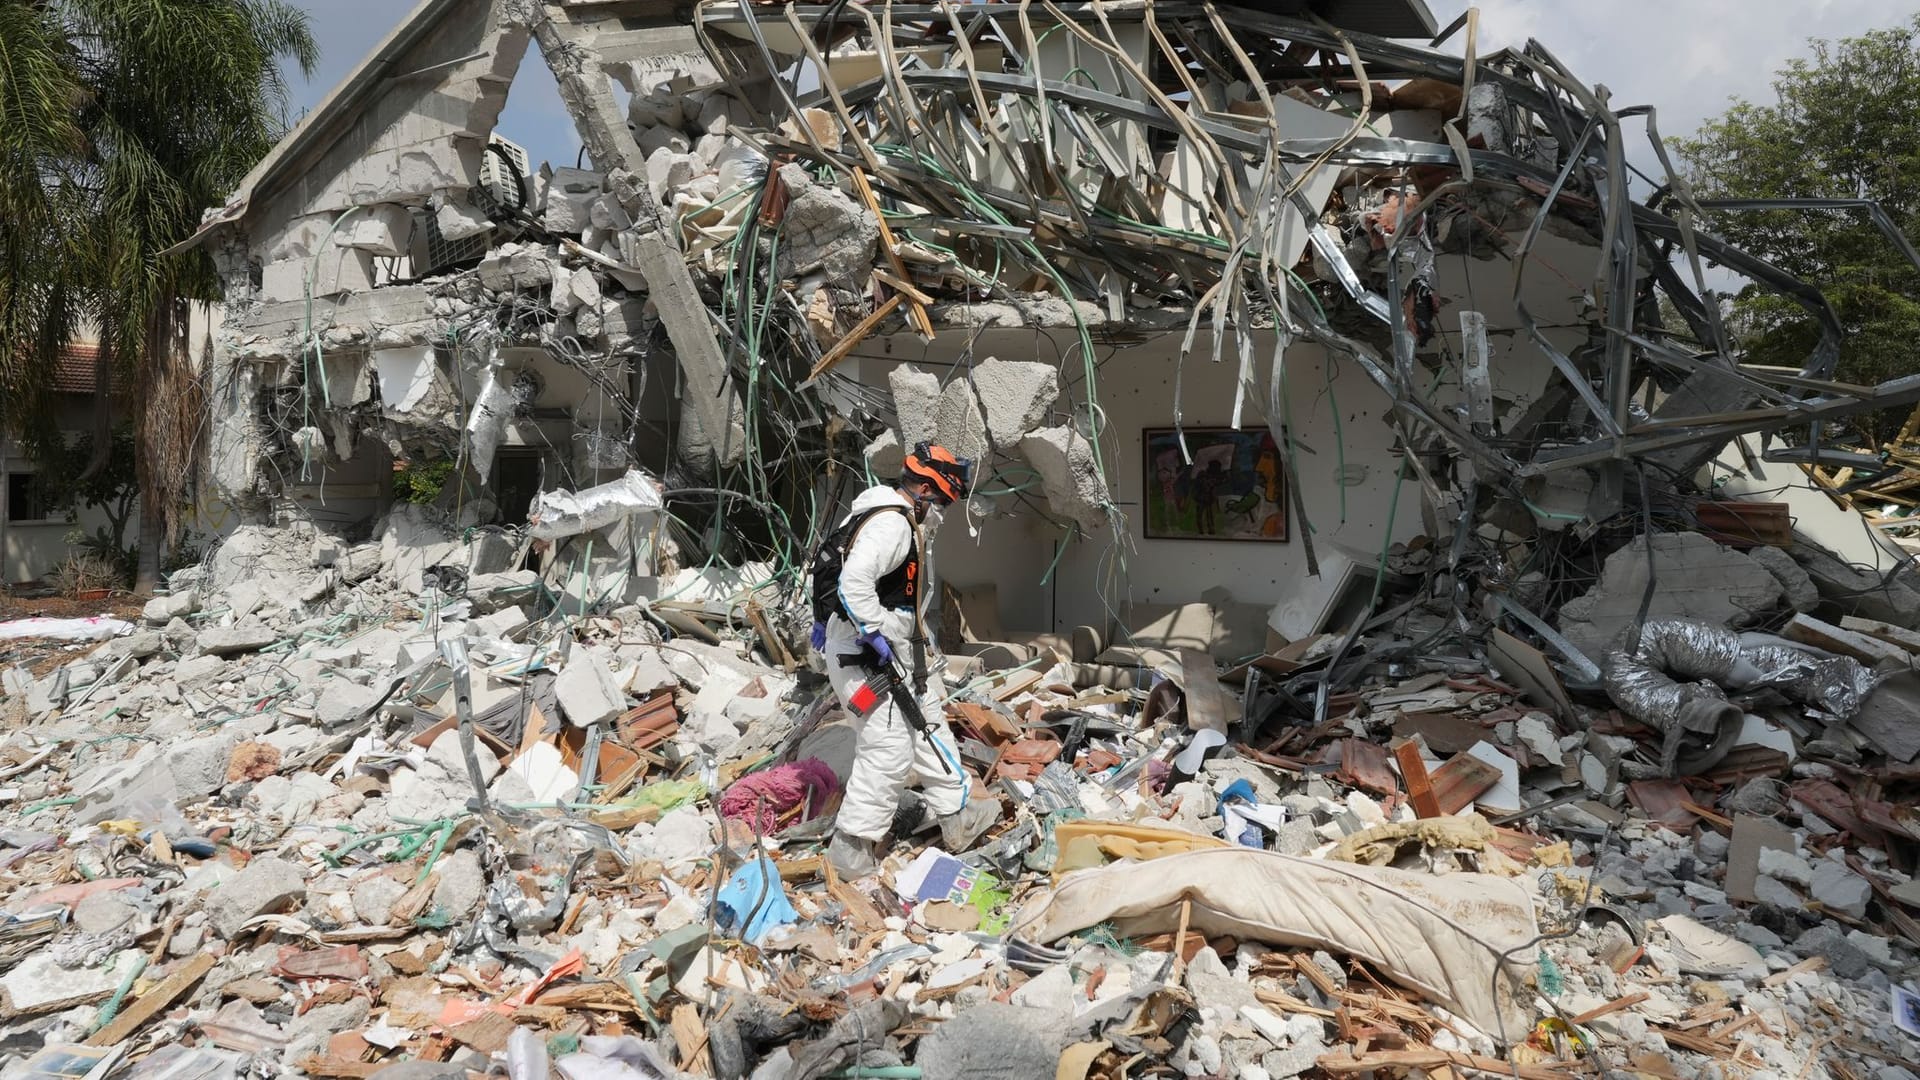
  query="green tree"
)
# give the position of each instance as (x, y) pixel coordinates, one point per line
(67, 484)
(1842, 126)
(121, 121)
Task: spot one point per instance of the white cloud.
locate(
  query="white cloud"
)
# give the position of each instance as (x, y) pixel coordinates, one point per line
(1686, 58)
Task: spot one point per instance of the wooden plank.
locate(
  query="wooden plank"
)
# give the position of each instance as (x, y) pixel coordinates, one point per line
(690, 1035)
(1461, 780)
(902, 282)
(855, 336)
(1208, 706)
(1893, 635)
(1017, 683)
(1705, 814)
(1611, 1007)
(1344, 1064)
(1822, 635)
(337, 1069)
(1413, 772)
(154, 1000)
(860, 911)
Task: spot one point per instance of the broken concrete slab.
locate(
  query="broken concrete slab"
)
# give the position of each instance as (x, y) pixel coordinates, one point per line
(1889, 717)
(266, 885)
(162, 610)
(824, 231)
(1801, 593)
(1694, 578)
(462, 883)
(958, 424)
(1840, 889)
(916, 396)
(1018, 396)
(588, 692)
(342, 702)
(1074, 487)
(233, 640)
(41, 984)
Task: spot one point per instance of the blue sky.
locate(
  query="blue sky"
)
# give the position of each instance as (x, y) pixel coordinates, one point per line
(348, 30)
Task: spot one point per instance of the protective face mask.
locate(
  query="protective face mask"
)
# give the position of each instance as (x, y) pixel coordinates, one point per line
(931, 520)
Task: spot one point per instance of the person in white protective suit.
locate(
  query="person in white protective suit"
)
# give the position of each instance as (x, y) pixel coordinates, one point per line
(878, 617)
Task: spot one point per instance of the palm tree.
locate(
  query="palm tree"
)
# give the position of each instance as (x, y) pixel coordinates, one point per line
(121, 121)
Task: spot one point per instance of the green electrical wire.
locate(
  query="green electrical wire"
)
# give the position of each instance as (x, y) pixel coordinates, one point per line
(112, 1007)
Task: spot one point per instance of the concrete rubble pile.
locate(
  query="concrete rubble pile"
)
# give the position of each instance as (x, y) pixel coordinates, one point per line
(447, 827)
(1560, 724)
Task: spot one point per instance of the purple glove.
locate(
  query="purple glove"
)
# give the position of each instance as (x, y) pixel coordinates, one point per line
(877, 641)
(818, 639)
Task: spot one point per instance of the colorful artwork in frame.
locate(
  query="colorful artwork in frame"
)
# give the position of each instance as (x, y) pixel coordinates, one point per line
(1234, 488)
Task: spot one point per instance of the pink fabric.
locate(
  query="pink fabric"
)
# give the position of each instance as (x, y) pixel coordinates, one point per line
(778, 790)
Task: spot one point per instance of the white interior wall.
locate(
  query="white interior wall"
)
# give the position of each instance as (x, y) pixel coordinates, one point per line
(1094, 579)
(1136, 391)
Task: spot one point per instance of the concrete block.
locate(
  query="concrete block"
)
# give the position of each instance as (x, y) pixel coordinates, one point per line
(162, 610)
(1072, 482)
(994, 1039)
(916, 394)
(1840, 889)
(668, 172)
(1694, 578)
(233, 640)
(657, 108)
(885, 455)
(958, 423)
(341, 702)
(199, 766)
(385, 230)
(652, 140)
(514, 267)
(462, 883)
(457, 220)
(1018, 396)
(265, 886)
(570, 198)
(200, 669)
(588, 693)
(826, 231)
(334, 273)
(1802, 594)
(716, 113)
(586, 289)
(561, 297)
(373, 899)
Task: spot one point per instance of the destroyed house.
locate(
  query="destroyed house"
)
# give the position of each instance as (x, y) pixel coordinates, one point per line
(1242, 307)
(1392, 633)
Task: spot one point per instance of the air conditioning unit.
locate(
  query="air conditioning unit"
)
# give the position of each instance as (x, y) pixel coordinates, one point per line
(433, 253)
(496, 192)
(500, 188)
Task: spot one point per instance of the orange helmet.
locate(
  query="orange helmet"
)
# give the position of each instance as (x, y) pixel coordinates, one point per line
(949, 474)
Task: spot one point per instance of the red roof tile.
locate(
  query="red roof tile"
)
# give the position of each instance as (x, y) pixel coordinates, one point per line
(74, 373)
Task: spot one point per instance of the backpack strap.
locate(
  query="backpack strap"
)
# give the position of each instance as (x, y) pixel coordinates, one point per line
(852, 529)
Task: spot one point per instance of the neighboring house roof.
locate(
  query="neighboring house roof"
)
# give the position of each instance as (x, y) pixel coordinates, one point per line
(74, 373)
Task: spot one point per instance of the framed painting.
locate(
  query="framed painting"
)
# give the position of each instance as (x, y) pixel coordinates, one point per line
(1234, 488)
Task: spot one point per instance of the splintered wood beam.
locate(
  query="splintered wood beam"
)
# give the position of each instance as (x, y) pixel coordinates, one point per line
(920, 317)
(855, 336)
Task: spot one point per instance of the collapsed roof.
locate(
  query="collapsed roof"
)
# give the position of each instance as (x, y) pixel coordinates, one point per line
(779, 196)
